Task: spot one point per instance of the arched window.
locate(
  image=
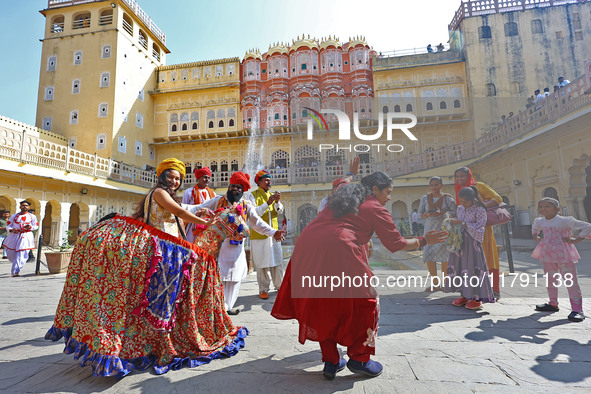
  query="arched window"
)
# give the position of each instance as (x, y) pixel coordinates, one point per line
(457, 104)
(173, 128)
(442, 105)
(128, 24)
(221, 123)
(511, 29)
(515, 87)
(210, 124)
(142, 40)
(156, 52)
(184, 127)
(484, 32)
(397, 108)
(231, 122)
(276, 116)
(385, 109)
(304, 66)
(81, 21)
(429, 106)
(194, 126)
(106, 17)
(57, 24)
(491, 89)
(408, 107)
(304, 113)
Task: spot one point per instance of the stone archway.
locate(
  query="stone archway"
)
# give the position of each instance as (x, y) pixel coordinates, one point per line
(51, 221)
(79, 219)
(74, 222)
(7, 203)
(587, 199)
(35, 205)
(579, 190)
(306, 213)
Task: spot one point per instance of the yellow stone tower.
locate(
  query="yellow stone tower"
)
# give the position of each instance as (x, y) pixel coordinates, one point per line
(98, 63)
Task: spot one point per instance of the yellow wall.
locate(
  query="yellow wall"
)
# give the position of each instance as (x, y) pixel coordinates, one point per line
(534, 61)
(195, 89)
(131, 70)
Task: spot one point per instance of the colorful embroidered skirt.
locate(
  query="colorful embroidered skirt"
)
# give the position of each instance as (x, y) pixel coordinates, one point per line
(137, 297)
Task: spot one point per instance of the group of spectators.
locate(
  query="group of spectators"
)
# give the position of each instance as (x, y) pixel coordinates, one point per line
(439, 48)
(539, 96)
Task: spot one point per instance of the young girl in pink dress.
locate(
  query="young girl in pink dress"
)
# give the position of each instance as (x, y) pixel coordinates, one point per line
(558, 255)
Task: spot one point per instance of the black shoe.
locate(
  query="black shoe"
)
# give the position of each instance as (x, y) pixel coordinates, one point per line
(576, 316)
(546, 308)
(234, 311)
(330, 370)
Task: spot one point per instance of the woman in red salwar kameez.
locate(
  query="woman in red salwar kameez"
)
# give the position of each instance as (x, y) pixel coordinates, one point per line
(328, 286)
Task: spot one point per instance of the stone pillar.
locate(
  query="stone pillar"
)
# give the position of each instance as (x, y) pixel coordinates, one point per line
(40, 217)
(64, 222)
(580, 208)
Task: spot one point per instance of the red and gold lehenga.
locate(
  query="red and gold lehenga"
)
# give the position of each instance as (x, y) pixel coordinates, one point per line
(137, 297)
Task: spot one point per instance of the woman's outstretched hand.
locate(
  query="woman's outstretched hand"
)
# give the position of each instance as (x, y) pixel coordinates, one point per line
(436, 237)
(214, 219)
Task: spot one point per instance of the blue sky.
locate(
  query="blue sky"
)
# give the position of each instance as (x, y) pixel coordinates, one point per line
(201, 30)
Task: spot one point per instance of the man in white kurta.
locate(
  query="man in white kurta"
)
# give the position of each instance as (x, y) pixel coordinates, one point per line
(20, 239)
(265, 251)
(232, 259)
(198, 194)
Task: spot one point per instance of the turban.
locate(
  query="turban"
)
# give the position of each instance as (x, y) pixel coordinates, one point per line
(339, 182)
(171, 164)
(199, 172)
(260, 175)
(240, 178)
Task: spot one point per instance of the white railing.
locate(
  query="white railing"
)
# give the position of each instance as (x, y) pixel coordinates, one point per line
(105, 20)
(413, 51)
(133, 5)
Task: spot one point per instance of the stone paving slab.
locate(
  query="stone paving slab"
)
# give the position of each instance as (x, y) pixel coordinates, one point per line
(425, 344)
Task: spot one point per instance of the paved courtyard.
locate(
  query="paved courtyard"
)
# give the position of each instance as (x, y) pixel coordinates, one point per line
(425, 344)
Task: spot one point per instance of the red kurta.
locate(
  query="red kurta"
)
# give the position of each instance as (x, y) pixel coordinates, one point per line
(335, 248)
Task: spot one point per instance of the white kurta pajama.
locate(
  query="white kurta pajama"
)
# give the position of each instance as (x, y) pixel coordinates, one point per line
(189, 199)
(232, 259)
(19, 244)
(267, 254)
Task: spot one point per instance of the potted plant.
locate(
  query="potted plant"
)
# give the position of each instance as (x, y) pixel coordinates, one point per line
(59, 259)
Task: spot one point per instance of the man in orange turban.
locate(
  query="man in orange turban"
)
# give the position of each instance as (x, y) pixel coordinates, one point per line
(198, 194)
(232, 258)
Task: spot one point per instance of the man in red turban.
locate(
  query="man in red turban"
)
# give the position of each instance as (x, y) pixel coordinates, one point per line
(198, 194)
(232, 258)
